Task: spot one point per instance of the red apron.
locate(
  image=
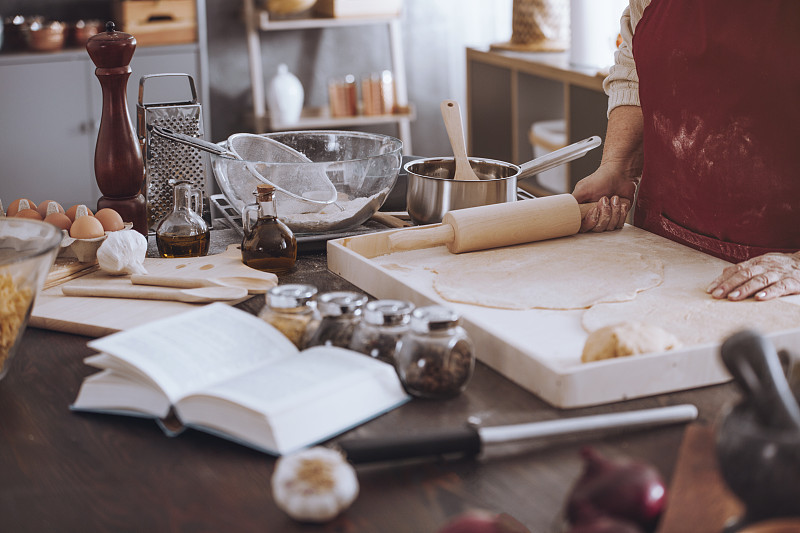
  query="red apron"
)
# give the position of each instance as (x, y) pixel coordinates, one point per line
(720, 94)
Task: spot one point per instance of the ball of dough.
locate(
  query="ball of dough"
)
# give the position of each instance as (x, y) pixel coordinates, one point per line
(627, 338)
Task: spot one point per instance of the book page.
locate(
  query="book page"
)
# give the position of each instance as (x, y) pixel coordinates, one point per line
(302, 399)
(191, 350)
(109, 392)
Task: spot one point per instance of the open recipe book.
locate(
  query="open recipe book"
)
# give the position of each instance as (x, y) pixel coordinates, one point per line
(222, 370)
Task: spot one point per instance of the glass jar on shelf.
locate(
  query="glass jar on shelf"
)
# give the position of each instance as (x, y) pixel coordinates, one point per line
(291, 309)
(435, 357)
(382, 324)
(340, 312)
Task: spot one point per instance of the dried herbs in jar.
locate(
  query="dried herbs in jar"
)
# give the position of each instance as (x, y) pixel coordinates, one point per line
(340, 313)
(435, 358)
(382, 325)
(291, 309)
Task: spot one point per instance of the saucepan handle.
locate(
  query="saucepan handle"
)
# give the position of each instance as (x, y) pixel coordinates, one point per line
(558, 157)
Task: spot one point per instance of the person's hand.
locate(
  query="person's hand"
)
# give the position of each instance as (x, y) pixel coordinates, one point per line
(767, 276)
(613, 194)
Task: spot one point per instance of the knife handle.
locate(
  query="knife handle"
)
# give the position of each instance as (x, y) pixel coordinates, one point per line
(464, 441)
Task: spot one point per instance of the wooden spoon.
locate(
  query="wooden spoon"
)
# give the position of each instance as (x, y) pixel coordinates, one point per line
(200, 295)
(252, 284)
(455, 130)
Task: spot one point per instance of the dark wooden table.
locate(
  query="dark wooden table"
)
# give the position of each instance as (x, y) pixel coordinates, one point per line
(68, 471)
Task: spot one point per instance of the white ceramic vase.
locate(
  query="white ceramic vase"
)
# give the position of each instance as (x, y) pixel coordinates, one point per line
(285, 97)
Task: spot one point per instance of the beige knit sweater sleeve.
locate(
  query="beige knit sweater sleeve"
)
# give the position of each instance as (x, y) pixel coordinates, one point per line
(622, 83)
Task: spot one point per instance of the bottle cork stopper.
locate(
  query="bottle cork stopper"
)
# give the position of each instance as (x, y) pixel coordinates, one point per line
(264, 188)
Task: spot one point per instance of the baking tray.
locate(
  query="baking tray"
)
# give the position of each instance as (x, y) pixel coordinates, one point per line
(540, 349)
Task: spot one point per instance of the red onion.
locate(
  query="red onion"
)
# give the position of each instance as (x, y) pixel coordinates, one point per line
(480, 521)
(624, 489)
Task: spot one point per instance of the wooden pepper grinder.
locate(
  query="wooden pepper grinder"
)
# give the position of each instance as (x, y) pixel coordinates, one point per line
(118, 164)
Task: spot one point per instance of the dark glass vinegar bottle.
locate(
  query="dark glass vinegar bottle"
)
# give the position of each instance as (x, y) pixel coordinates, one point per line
(268, 244)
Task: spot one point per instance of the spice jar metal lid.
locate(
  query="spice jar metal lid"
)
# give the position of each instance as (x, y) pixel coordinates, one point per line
(433, 318)
(290, 296)
(341, 303)
(388, 312)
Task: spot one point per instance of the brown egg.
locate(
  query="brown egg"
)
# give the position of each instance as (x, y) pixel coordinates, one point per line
(29, 213)
(13, 207)
(59, 220)
(110, 219)
(71, 211)
(86, 228)
(44, 205)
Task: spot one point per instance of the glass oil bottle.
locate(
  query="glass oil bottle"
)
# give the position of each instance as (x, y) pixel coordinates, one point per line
(268, 244)
(183, 232)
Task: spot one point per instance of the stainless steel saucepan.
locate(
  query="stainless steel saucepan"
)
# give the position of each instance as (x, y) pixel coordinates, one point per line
(433, 191)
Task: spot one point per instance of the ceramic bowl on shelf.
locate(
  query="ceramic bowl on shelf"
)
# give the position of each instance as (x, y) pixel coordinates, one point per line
(363, 168)
(46, 36)
(288, 7)
(27, 251)
(82, 30)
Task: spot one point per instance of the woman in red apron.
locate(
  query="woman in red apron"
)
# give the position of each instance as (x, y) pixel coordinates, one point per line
(716, 140)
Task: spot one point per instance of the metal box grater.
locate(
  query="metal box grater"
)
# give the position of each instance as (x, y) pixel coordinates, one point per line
(167, 161)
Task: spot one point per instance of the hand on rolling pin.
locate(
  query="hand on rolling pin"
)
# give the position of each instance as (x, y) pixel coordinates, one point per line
(767, 276)
(613, 194)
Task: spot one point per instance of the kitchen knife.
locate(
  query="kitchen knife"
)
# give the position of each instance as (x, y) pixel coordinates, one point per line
(470, 440)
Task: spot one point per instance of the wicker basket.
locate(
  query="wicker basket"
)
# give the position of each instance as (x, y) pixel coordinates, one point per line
(539, 25)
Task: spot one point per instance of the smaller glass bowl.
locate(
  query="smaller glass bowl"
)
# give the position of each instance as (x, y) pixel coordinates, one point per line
(27, 251)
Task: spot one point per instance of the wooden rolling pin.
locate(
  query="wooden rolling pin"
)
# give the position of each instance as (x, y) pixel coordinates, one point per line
(496, 225)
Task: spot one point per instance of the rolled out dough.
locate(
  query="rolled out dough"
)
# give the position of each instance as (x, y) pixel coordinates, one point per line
(693, 316)
(566, 273)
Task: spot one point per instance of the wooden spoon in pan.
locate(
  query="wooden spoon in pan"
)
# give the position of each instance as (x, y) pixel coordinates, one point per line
(451, 114)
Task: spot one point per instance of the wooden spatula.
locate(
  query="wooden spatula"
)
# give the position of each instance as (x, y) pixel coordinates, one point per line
(451, 114)
(141, 292)
(252, 284)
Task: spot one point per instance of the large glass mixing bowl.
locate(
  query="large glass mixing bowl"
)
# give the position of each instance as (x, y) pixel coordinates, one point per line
(27, 251)
(363, 167)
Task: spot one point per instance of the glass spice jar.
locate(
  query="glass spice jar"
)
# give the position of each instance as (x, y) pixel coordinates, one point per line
(382, 325)
(435, 358)
(291, 309)
(340, 312)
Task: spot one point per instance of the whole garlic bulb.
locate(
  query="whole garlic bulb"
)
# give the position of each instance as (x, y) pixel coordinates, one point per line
(314, 485)
(123, 252)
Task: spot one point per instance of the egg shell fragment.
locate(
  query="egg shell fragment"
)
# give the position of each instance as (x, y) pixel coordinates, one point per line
(14, 207)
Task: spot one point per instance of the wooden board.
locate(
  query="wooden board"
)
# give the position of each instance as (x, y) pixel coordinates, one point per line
(698, 499)
(540, 349)
(96, 317)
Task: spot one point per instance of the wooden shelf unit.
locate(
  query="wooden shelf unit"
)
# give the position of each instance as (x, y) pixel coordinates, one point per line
(508, 91)
(257, 20)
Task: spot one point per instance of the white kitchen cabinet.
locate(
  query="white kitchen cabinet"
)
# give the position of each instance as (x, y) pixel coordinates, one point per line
(257, 20)
(46, 130)
(50, 109)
